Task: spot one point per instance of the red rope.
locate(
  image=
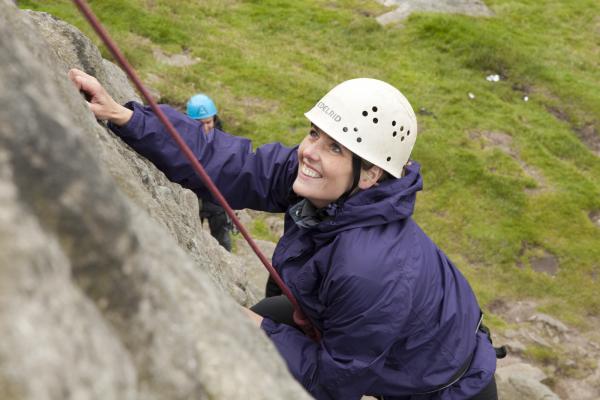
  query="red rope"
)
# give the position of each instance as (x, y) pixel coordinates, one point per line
(299, 316)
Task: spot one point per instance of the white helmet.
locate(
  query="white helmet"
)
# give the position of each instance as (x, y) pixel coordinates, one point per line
(370, 118)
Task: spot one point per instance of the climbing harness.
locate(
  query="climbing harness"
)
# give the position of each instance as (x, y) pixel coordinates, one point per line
(299, 317)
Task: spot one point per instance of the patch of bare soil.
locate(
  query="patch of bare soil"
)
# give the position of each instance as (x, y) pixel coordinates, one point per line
(525, 89)
(177, 60)
(587, 133)
(504, 142)
(539, 259)
(595, 217)
(500, 140)
(559, 113)
(546, 263)
(590, 136)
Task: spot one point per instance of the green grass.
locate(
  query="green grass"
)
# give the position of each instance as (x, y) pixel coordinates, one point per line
(260, 230)
(267, 62)
(542, 354)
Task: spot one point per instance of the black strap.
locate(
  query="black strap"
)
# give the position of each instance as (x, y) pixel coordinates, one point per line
(454, 378)
(501, 351)
(356, 168)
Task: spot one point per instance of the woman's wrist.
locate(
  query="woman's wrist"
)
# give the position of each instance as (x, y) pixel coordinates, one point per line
(121, 115)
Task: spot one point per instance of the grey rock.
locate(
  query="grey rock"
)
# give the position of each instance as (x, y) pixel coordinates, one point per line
(521, 369)
(175, 208)
(256, 271)
(75, 50)
(537, 339)
(516, 346)
(109, 288)
(550, 322)
(404, 8)
(523, 381)
(586, 389)
(519, 388)
(54, 339)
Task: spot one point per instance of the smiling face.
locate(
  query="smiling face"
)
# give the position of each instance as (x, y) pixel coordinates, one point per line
(324, 169)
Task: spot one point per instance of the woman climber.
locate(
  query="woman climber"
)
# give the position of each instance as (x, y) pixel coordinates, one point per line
(397, 319)
(203, 109)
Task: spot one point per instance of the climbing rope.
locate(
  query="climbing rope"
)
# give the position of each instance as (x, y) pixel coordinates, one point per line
(299, 317)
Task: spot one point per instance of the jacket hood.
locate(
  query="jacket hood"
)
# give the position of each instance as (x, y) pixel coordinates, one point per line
(391, 200)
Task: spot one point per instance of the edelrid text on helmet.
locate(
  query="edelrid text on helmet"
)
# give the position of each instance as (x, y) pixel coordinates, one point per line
(325, 108)
(372, 119)
(200, 106)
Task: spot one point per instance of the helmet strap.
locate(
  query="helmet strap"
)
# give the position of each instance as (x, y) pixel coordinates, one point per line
(356, 168)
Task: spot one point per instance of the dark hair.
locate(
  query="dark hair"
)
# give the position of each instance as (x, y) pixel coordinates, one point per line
(218, 123)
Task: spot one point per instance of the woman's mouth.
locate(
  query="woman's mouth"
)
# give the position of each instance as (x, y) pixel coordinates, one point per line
(310, 172)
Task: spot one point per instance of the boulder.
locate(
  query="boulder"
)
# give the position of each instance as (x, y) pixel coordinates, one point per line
(169, 204)
(55, 342)
(552, 323)
(523, 381)
(109, 287)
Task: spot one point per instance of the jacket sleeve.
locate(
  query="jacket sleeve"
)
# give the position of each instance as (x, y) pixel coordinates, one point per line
(260, 180)
(360, 325)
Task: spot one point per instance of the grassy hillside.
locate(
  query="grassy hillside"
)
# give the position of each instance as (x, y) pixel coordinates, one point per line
(507, 181)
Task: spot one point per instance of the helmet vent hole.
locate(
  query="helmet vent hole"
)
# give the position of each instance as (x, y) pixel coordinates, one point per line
(345, 129)
(375, 120)
(374, 109)
(365, 113)
(401, 129)
(407, 132)
(359, 140)
(402, 139)
(389, 159)
(394, 134)
(393, 123)
(355, 129)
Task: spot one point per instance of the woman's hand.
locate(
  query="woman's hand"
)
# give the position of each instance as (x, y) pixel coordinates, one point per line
(99, 101)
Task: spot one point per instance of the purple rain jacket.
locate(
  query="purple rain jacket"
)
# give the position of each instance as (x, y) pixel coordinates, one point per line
(396, 316)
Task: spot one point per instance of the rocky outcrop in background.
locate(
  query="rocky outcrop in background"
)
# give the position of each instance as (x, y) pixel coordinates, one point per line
(109, 287)
(404, 8)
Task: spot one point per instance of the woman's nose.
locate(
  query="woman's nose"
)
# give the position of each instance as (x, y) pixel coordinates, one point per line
(311, 150)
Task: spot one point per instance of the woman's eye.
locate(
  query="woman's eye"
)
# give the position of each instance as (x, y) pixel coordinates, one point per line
(336, 148)
(314, 133)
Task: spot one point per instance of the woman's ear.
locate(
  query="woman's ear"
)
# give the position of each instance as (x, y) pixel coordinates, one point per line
(369, 177)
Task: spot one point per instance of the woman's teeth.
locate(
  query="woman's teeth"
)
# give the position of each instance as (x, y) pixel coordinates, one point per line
(309, 172)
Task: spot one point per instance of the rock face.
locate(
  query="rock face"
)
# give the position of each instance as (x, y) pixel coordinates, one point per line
(109, 289)
(406, 7)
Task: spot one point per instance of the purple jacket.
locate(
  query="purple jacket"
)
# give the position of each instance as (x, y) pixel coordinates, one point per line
(397, 317)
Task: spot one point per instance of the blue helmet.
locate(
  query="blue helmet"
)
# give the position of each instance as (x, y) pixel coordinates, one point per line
(200, 106)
